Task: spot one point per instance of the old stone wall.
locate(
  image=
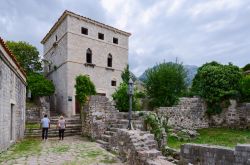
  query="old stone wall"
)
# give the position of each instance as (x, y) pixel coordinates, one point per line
(97, 114)
(139, 147)
(12, 102)
(214, 155)
(188, 114)
(235, 116)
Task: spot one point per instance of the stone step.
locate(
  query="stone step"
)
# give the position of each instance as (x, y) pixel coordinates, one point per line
(113, 129)
(103, 143)
(109, 133)
(106, 138)
(153, 153)
(118, 125)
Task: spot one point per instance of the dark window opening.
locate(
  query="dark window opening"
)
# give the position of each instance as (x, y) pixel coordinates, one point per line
(89, 56)
(56, 37)
(115, 40)
(113, 83)
(109, 60)
(84, 31)
(101, 36)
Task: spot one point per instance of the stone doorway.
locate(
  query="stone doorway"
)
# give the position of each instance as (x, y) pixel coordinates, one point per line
(77, 106)
(11, 122)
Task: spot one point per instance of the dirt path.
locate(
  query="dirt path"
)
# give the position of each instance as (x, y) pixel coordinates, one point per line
(71, 151)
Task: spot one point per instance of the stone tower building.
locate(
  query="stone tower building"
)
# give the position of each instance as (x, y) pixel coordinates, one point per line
(78, 45)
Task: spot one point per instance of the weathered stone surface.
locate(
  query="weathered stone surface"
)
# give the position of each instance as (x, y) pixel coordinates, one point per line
(188, 114)
(12, 100)
(214, 155)
(135, 147)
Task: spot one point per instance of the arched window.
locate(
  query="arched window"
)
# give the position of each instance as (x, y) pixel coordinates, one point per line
(89, 56)
(109, 60)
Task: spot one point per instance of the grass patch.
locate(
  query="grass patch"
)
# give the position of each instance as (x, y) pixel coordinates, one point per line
(32, 126)
(22, 149)
(60, 149)
(215, 136)
(108, 160)
(92, 153)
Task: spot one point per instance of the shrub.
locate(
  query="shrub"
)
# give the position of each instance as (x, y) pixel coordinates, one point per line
(39, 86)
(245, 87)
(215, 83)
(165, 83)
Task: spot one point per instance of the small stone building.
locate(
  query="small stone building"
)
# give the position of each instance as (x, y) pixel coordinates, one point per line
(78, 45)
(12, 98)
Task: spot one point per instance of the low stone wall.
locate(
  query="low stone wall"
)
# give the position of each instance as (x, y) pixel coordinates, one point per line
(139, 147)
(235, 116)
(188, 114)
(32, 114)
(214, 155)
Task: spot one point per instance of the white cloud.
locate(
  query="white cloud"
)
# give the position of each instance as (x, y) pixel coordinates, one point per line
(192, 31)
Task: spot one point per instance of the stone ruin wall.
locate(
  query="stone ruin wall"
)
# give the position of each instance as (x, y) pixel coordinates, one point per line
(210, 155)
(190, 113)
(98, 113)
(235, 116)
(35, 111)
(139, 147)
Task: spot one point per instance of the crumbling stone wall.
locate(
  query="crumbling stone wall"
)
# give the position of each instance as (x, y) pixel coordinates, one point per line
(236, 116)
(97, 114)
(139, 147)
(214, 155)
(188, 114)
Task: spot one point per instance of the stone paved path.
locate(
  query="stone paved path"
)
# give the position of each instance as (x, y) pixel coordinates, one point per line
(73, 150)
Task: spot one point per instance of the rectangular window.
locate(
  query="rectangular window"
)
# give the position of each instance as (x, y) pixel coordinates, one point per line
(84, 31)
(101, 36)
(115, 40)
(113, 83)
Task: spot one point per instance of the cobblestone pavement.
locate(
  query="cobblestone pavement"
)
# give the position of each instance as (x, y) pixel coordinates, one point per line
(72, 150)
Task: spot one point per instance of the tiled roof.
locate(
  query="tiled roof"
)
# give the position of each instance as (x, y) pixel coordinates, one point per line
(66, 12)
(12, 56)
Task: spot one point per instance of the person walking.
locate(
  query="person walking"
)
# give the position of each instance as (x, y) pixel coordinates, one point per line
(61, 125)
(45, 124)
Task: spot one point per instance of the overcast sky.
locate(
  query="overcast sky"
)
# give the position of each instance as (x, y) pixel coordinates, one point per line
(194, 31)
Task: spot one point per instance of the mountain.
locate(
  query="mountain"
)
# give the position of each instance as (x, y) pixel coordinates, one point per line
(191, 72)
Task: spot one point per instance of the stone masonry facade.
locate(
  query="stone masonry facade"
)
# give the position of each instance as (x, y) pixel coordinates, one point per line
(73, 47)
(214, 155)
(12, 98)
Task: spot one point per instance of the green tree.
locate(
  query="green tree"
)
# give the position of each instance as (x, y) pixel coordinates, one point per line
(121, 97)
(245, 87)
(165, 83)
(40, 86)
(246, 67)
(27, 55)
(84, 88)
(217, 83)
(125, 75)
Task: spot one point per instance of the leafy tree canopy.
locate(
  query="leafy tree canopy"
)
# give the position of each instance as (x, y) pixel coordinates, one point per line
(165, 83)
(216, 83)
(246, 67)
(84, 87)
(40, 86)
(26, 54)
(125, 75)
(245, 86)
